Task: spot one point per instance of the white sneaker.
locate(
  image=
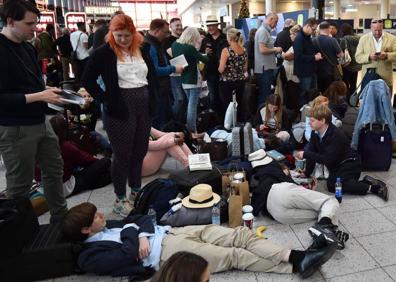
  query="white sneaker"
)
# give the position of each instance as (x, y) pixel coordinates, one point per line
(122, 207)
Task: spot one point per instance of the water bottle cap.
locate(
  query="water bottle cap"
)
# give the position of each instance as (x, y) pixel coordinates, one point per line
(338, 179)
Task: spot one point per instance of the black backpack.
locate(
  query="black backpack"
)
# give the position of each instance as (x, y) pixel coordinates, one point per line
(157, 193)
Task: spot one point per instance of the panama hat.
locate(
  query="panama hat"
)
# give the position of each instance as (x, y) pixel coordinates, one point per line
(211, 20)
(201, 196)
(259, 158)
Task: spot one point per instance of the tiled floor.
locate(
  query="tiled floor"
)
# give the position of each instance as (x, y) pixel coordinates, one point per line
(370, 254)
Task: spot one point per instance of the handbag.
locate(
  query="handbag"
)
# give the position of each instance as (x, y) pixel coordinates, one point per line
(217, 149)
(346, 59)
(337, 67)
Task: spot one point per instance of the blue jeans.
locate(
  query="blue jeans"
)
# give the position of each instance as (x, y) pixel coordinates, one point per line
(265, 80)
(307, 83)
(193, 98)
(179, 99)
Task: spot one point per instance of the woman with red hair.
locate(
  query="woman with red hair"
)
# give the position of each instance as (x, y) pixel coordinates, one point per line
(126, 72)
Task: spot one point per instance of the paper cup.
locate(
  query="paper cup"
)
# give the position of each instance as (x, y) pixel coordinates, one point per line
(248, 220)
(247, 209)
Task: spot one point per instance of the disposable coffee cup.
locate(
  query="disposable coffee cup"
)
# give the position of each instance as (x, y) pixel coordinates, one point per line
(247, 209)
(248, 220)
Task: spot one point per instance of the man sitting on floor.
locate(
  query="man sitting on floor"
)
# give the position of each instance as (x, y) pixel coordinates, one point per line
(132, 246)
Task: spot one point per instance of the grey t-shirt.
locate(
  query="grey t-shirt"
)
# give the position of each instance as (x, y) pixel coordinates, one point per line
(263, 35)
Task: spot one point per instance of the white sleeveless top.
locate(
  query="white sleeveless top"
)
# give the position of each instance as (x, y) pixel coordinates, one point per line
(132, 73)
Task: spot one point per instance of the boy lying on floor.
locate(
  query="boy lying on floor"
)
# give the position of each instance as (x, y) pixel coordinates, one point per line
(134, 246)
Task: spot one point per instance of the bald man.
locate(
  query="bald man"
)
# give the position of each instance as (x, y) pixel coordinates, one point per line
(264, 53)
(377, 49)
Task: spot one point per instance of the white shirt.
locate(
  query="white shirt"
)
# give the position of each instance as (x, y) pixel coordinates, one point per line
(132, 73)
(378, 44)
(82, 52)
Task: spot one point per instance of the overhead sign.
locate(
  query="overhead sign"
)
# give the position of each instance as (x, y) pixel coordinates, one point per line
(45, 19)
(97, 10)
(71, 20)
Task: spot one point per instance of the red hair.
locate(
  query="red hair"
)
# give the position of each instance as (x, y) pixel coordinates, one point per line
(121, 22)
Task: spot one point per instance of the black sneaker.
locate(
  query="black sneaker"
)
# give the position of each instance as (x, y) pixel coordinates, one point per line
(313, 259)
(329, 233)
(379, 185)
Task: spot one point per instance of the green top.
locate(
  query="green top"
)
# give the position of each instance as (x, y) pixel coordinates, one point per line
(190, 73)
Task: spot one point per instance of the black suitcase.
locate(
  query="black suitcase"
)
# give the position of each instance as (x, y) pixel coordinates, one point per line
(186, 179)
(375, 147)
(50, 255)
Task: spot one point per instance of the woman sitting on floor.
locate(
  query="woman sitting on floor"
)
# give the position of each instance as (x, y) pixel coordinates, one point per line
(81, 170)
(160, 145)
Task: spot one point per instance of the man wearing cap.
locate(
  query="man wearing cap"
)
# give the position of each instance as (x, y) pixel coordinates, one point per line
(213, 43)
(283, 39)
(377, 49)
(264, 54)
(134, 246)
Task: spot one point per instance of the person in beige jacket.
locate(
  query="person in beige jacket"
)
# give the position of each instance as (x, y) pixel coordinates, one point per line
(377, 49)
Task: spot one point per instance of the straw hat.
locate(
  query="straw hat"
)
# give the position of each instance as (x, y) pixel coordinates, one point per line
(259, 158)
(211, 20)
(201, 196)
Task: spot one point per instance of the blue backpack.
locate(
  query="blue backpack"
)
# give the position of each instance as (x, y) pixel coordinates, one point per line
(157, 193)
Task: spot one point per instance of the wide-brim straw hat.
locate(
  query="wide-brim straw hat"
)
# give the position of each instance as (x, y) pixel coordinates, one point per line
(201, 196)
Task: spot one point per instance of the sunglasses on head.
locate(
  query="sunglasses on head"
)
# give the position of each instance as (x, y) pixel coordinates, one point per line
(376, 21)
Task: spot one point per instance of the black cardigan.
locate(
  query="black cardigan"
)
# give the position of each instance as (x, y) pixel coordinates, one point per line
(103, 62)
(20, 74)
(331, 151)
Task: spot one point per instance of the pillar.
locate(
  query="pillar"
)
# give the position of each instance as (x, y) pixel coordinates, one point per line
(385, 9)
(270, 6)
(337, 9)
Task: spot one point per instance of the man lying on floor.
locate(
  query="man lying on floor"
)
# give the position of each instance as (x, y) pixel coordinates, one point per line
(278, 196)
(132, 246)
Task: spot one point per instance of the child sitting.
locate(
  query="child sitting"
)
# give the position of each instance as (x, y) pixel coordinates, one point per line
(271, 118)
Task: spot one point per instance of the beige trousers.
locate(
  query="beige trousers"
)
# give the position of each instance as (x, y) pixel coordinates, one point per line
(289, 203)
(226, 248)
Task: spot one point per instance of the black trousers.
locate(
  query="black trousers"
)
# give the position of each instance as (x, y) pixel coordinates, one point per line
(350, 79)
(324, 82)
(95, 176)
(129, 139)
(349, 172)
(226, 88)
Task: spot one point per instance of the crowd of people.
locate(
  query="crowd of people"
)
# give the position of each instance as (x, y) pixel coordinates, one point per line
(128, 78)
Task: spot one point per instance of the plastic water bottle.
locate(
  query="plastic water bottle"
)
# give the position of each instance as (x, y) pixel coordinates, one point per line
(153, 215)
(216, 215)
(338, 190)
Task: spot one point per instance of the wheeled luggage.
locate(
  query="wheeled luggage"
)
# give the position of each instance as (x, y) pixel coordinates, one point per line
(375, 147)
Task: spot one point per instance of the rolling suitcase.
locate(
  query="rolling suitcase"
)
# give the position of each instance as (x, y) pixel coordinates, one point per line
(375, 147)
(242, 135)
